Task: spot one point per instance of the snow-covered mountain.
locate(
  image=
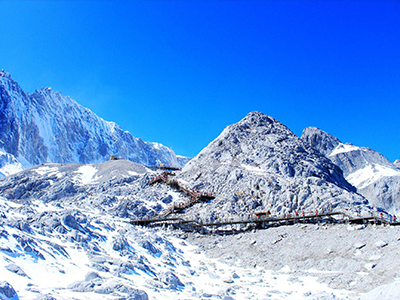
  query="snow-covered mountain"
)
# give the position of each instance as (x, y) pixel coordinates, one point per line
(374, 176)
(259, 164)
(48, 127)
(65, 229)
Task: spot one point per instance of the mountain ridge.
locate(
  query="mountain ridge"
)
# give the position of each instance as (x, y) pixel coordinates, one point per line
(48, 127)
(374, 176)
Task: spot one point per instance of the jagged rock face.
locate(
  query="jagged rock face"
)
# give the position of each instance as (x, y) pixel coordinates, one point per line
(397, 163)
(48, 127)
(374, 176)
(260, 164)
(384, 192)
(320, 140)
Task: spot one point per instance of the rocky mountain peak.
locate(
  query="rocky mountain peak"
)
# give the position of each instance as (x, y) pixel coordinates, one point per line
(7, 83)
(265, 163)
(4, 74)
(320, 140)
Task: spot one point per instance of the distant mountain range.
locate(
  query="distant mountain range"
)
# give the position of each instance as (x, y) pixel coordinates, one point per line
(257, 157)
(48, 127)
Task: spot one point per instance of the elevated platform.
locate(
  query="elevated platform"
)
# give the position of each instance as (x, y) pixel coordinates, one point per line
(167, 168)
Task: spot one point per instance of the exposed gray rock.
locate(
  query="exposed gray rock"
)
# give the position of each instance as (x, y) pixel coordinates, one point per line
(45, 297)
(397, 163)
(82, 286)
(149, 246)
(92, 276)
(359, 245)
(259, 164)
(138, 295)
(384, 192)
(7, 291)
(16, 269)
(170, 280)
(320, 140)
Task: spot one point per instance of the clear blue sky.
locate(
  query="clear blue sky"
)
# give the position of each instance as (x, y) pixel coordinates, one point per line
(178, 72)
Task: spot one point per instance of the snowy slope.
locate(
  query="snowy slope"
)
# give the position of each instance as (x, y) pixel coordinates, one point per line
(369, 171)
(48, 127)
(64, 234)
(9, 164)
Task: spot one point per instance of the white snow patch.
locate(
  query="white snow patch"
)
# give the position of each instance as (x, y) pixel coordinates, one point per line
(11, 169)
(133, 173)
(45, 170)
(389, 291)
(343, 148)
(254, 169)
(370, 174)
(86, 175)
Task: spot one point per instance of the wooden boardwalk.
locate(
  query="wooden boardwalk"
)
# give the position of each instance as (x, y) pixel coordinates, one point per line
(338, 217)
(262, 220)
(193, 195)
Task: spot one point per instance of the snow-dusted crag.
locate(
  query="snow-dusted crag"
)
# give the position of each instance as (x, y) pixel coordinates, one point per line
(48, 127)
(259, 164)
(369, 171)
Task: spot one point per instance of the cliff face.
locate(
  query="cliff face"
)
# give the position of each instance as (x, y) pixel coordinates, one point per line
(48, 127)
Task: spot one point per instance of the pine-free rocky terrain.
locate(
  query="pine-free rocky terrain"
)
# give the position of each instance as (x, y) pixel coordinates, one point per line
(66, 231)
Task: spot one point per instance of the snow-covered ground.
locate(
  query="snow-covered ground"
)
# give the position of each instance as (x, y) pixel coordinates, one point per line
(320, 261)
(106, 258)
(370, 174)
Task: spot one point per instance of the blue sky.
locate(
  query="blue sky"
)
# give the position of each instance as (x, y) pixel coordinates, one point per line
(178, 72)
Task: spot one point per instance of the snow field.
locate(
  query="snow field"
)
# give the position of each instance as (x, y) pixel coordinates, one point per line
(86, 175)
(370, 174)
